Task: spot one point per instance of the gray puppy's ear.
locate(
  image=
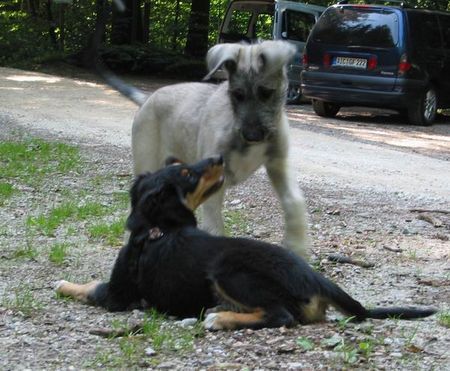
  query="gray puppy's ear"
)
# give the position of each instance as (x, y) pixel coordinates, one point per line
(274, 55)
(222, 55)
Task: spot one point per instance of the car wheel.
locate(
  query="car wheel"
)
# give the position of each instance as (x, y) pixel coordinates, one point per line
(325, 109)
(424, 112)
(294, 94)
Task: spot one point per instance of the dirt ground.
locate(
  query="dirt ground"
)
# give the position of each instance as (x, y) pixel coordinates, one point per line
(377, 190)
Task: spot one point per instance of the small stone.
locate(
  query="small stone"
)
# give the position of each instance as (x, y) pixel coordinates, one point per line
(396, 355)
(295, 365)
(150, 352)
(287, 348)
(187, 322)
(238, 344)
(235, 202)
(260, 233)
(387, 341)
(168, 365)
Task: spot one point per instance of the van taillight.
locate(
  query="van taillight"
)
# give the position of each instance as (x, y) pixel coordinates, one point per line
(326, 60)
(305, 60)
(372, 63)
(404, 66)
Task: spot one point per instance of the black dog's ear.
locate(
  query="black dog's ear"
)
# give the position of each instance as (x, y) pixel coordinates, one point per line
(142, 207)
(171, 160)
(134, 188)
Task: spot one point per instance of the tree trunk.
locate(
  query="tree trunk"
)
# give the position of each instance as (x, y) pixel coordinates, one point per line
(146, 23)
(52, 25)
(197, 37)
(32, 8)
(121, 24)
(62, 26)
(136, 23)
(176, 25)
(89, 54)
(127, 25)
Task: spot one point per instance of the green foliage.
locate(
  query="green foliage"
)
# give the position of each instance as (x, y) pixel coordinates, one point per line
(110, 233)
(343, 323)
(138, 58)
(444, 319)
(156, 332)
(48, 223)
(58, 253)
(30, 37)
(26, 252)
(23, 39)
(305, 343)
(236, 222)
(6, 191)
(22, 300)
(32, 160)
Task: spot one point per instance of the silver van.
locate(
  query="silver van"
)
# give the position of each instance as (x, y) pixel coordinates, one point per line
(250, 20)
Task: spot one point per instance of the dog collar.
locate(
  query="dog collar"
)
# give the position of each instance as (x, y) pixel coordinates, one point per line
(155, 234)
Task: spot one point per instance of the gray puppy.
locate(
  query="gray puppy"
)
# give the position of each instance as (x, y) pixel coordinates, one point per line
(242, 118)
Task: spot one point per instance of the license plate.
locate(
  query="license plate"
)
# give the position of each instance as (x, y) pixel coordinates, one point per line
(350, 62)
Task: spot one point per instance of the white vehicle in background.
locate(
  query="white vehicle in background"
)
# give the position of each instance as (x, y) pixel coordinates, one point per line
(250, 20)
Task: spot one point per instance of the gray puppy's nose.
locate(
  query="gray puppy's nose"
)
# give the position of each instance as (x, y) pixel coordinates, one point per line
(253, 135)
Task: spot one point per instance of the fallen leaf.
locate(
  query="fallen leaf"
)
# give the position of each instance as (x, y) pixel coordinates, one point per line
(414, 349)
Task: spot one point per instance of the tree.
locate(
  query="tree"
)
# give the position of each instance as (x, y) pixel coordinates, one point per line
(197, 36)
(127, 25)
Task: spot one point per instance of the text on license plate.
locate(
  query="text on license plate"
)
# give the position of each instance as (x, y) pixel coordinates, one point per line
(350, 62)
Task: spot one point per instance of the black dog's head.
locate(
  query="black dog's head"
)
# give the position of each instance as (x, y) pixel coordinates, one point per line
(168, 197)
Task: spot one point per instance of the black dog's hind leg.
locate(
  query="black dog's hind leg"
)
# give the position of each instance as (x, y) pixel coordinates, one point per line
(119, 294)
(257, 306)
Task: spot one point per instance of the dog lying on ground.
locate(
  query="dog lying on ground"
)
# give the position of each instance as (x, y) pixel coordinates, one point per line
(181, 270)
(242, 118)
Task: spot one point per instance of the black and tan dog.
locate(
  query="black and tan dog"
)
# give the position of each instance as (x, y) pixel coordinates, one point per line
(180, 270)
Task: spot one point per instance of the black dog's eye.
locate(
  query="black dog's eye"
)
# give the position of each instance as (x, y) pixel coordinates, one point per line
(265, 93)
(185, 173)
(238, 95)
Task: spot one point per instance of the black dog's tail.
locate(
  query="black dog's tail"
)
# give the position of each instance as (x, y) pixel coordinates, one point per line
(346, 304)
(400, 312)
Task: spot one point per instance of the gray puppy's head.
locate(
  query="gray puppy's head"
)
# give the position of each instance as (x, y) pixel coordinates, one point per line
(257, 84)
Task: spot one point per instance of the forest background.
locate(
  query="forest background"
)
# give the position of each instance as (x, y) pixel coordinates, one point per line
(150, 36)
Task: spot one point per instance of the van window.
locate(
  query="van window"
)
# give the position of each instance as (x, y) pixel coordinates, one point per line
(445, 25)
(358, 26)
(239, 22)
(297, 25)
(263, 26)
(424, 30)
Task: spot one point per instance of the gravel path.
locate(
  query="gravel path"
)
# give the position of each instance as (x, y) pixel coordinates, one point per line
(363, 177)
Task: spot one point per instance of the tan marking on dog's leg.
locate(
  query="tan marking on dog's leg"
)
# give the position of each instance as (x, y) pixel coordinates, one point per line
(77, 291)
(315, 310)
(233, 320)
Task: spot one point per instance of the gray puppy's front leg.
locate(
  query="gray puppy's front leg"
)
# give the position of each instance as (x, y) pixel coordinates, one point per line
(212, 220)
(293, 204)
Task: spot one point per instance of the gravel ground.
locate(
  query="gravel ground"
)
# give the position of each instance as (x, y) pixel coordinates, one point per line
(409, 251)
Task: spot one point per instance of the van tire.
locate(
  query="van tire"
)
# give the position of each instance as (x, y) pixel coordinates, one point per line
(325, 109)
(424, 112)
(294, 94)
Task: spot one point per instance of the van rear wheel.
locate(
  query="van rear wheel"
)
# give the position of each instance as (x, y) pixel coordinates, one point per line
(294, 94)
(424, 112)
(325, 109)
